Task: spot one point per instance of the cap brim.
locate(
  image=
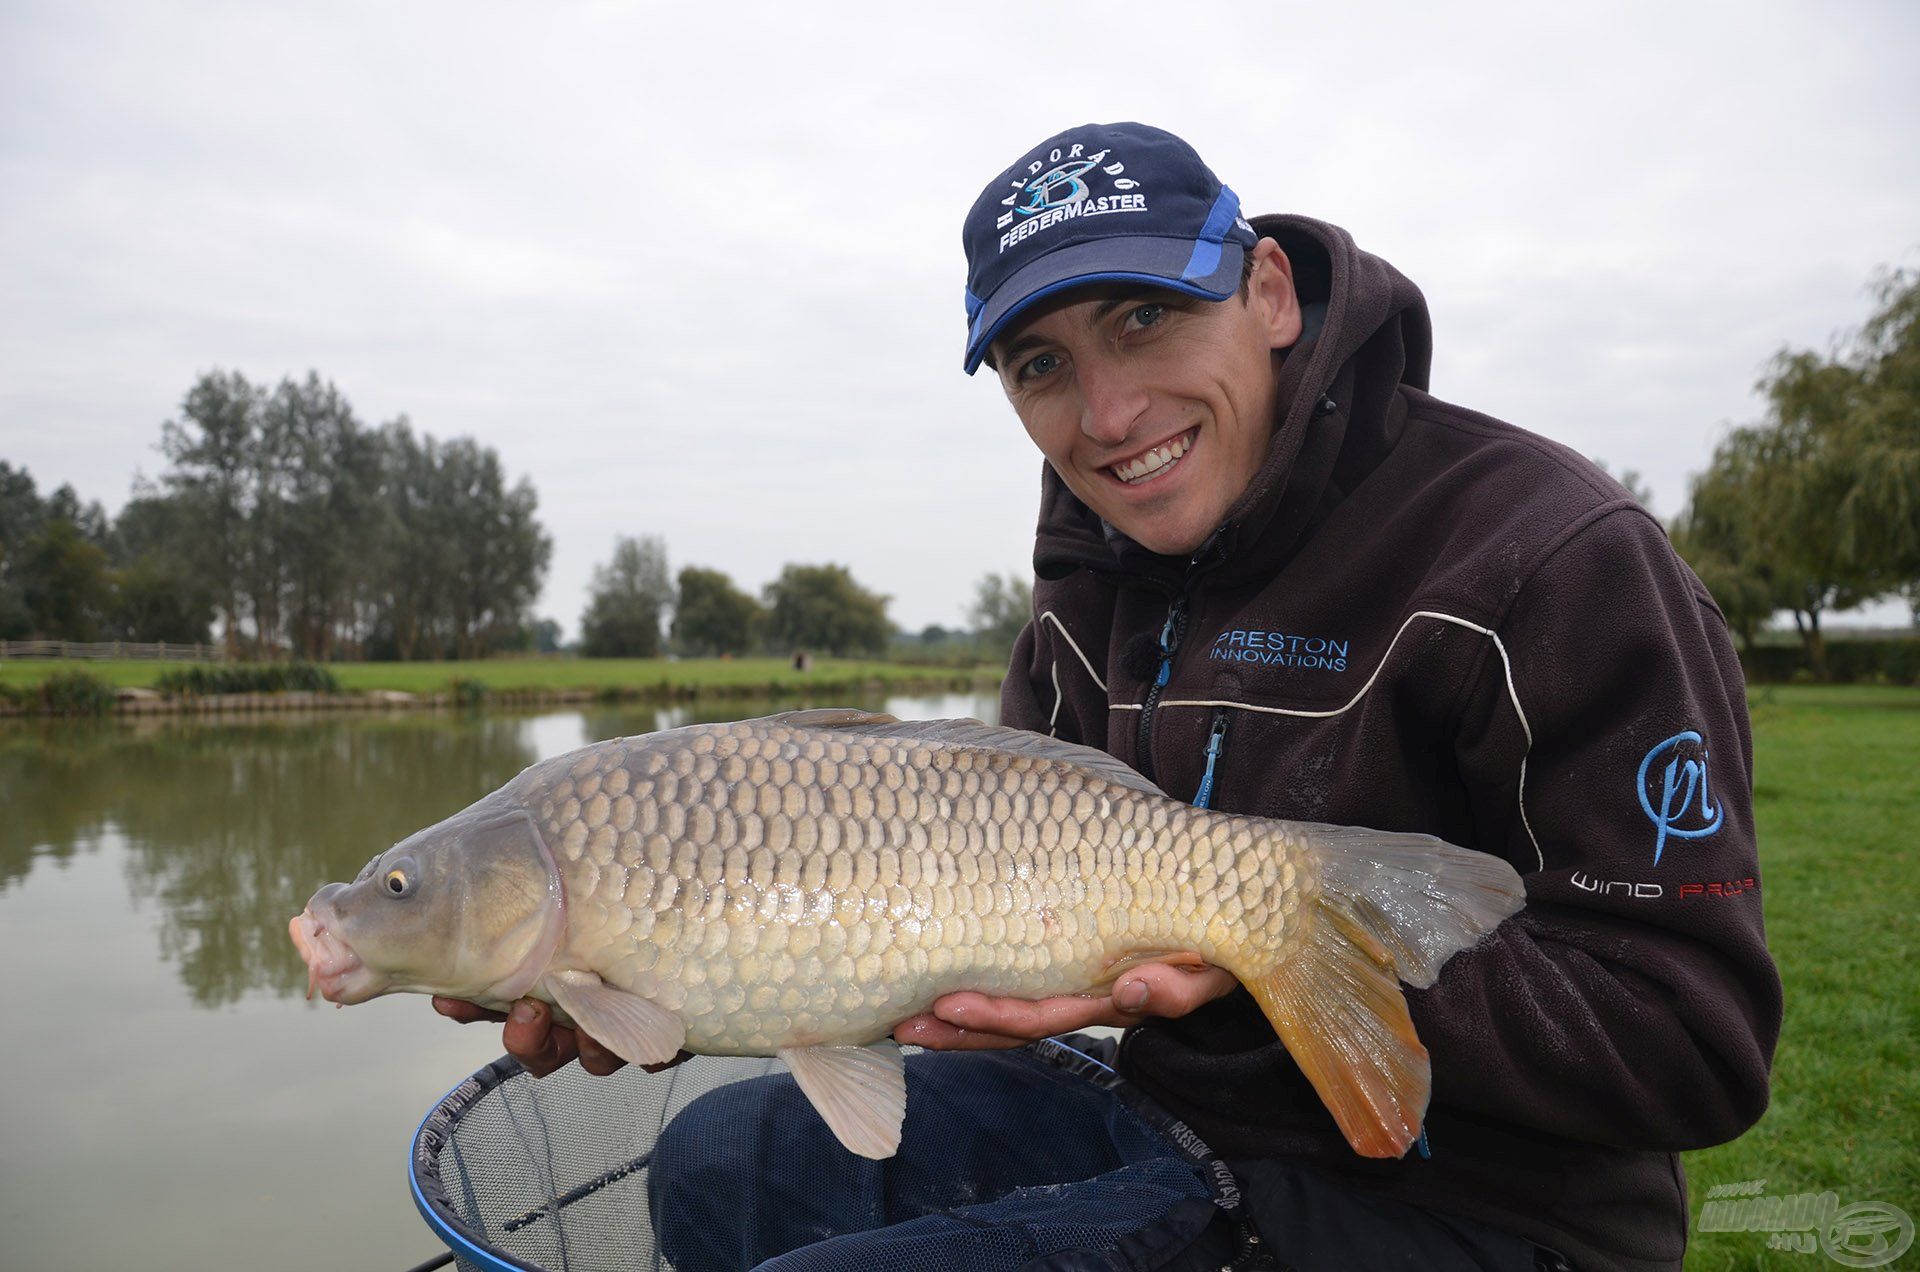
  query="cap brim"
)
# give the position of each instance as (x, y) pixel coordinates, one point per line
(1173, 263)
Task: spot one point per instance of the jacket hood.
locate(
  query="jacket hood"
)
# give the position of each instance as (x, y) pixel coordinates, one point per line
(1338, 412)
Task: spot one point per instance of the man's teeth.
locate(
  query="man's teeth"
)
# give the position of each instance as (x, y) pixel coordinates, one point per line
(1154, 461)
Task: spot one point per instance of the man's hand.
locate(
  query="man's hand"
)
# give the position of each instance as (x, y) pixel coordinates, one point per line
(977, 1022)
(537, 1043)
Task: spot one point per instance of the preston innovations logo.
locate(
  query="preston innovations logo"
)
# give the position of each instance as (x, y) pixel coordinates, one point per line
(1280, 649)
(1055, 189)
(1672, 785)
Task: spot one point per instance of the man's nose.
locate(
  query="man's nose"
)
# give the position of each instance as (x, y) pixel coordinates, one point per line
(1112, 401)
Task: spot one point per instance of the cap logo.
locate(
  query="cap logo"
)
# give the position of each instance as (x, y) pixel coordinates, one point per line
(1051, 195)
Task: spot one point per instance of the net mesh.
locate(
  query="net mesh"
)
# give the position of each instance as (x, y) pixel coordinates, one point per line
(551, 1174)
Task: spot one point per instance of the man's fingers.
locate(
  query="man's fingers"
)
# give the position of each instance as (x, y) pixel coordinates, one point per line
(936, 1034)
(1160, 990)
(535, 1041)
(681, 1058)
(594, 1058)
(1021, 1018)
(465, 1012)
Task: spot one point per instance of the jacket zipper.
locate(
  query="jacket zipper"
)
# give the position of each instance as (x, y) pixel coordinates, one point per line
(1216, 743)
(1170, 634)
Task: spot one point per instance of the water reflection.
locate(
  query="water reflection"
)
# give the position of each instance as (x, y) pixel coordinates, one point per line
(229, 826)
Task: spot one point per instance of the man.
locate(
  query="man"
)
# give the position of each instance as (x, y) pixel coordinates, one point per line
(1278, 577)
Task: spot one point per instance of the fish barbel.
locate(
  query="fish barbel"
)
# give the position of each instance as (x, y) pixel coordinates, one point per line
(798, 885)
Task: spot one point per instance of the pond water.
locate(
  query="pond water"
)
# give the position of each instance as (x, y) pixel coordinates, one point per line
(171, 1099)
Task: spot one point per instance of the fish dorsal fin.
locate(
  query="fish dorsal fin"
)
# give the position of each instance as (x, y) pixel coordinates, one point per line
(975, 735)
(827, 718)
(860, 1091)
(636, 1029)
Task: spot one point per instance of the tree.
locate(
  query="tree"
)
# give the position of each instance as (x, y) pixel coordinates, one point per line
(821, 607)
(622, 619)
(22, 514)
(317, 534)
(157, 595)
(1880, 519)
(1002, 606)
(712, 616)
(1711, 537)
(214, 451)
(1818, 506)
(64, 584)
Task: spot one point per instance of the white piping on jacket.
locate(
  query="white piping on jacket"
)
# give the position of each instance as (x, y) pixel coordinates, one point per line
(1505, 662)
(1053, 721)
(1049, 617)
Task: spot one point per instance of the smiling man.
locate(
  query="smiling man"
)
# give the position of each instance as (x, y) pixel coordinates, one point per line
(1277, 576)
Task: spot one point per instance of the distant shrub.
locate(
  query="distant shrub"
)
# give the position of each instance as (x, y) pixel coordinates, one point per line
(296, 677)
(1848, 662)
(468, 692)
(76, 693)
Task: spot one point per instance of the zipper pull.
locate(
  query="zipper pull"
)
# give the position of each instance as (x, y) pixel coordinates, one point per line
(1169, 641)
(1216, 743)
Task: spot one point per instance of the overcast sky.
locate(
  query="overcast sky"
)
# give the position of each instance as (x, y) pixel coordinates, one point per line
(695, 269)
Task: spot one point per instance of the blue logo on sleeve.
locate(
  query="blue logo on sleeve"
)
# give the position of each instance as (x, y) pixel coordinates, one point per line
(1674, 797)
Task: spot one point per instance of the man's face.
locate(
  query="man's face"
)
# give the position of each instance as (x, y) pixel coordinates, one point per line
(1155, 408)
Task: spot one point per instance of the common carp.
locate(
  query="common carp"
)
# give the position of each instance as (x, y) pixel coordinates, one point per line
(797, 885)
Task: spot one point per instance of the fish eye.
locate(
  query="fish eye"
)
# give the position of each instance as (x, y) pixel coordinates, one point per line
(399, 880)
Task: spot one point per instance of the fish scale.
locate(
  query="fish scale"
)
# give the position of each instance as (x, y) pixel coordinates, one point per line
(799, 885)
(994, 884)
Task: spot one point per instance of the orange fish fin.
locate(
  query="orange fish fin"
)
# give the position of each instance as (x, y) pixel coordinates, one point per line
(1337, 1006)
(636, 1029)
(861, 1092)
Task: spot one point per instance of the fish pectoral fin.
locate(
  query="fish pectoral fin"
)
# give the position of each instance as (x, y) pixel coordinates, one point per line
(636, 1029)
(1338, 1007)
(861, 1092)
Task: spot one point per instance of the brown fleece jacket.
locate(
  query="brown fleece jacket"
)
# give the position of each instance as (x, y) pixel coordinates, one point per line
(1419, 618)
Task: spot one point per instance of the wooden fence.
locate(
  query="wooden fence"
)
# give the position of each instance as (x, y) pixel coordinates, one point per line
(105, 649)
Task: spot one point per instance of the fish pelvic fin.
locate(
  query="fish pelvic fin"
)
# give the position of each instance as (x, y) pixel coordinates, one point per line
(860, 1091)
(1391, 908)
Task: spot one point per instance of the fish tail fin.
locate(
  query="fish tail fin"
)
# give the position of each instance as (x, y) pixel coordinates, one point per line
(1391, 907)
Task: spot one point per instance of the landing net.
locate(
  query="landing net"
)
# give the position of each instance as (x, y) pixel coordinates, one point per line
(550, 1175)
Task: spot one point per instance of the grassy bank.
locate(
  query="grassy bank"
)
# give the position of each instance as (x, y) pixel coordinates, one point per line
(1838, 804)
(555, 675)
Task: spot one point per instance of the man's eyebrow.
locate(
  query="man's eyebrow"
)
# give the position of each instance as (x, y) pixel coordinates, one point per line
(1019, 347)
(1022, 343)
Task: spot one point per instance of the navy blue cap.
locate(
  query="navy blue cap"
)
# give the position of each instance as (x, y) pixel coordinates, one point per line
(1099, 203)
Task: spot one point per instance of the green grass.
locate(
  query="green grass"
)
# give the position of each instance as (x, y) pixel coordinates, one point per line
(641, 675)
(1837, 797)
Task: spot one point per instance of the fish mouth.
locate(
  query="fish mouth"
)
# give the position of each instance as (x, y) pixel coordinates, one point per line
(332, 966)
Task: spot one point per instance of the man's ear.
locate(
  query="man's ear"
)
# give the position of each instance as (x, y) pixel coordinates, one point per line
(1270, 293)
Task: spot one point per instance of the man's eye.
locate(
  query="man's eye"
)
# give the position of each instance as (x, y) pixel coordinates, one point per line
(1146, 315)
(1033, 368)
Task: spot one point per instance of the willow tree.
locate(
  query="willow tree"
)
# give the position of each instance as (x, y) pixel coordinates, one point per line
(1817, 508)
